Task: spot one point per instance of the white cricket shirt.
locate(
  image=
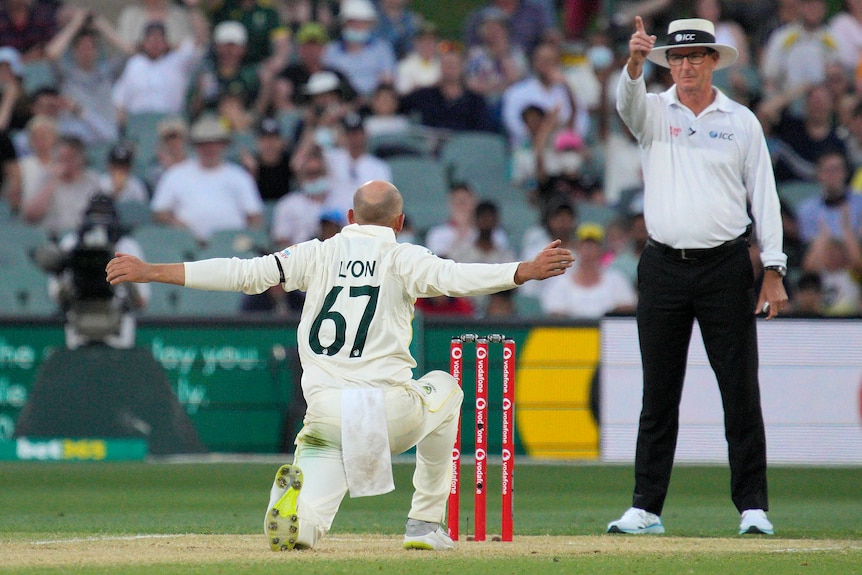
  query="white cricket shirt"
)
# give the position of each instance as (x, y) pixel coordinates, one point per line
(700, 171)
(355, 328)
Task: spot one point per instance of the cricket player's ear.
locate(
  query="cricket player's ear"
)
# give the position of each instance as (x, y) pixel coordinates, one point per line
(398, 223)
(350, 218)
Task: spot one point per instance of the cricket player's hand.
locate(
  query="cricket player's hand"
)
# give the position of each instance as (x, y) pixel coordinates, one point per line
(551, 261)
(127, 268)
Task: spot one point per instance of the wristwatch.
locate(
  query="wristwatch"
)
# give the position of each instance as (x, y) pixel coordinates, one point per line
(780, 270)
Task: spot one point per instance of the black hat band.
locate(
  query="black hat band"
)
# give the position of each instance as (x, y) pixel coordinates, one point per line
(683, 37)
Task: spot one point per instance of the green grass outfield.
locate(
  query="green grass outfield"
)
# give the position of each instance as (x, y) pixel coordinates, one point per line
(150, 518)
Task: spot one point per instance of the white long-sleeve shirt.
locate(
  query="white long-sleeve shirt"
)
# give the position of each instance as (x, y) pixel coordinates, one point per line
(700, 171)
(361, 285)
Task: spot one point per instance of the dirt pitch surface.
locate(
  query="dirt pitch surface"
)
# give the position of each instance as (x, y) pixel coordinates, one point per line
(198, 549)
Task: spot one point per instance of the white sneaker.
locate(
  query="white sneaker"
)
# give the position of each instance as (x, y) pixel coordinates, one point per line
(281, 523)
(636, 521)
(436, 540)
(754, 521)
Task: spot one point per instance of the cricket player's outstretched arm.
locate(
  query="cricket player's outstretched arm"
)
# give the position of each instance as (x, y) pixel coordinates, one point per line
(551, 261)
(125, 268)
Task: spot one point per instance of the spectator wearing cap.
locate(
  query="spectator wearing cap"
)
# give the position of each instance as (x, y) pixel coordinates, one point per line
(528, 21)
(397, 24)
(171, 149)
(14, 104)
(420, 68)
(311, 40)
(86, 79)
(269, 165)
(175, 18)
(206, 194)
(590, 290)
(350, 165)
(260, 22)
(323, 115)
(364, 60)
(27, 26)
(559, 221)
(495, 63)
(223, 71)
(59, 204)
(449, 104)
(296, 217)
(331, 222)
(119, 183)
(156, 78)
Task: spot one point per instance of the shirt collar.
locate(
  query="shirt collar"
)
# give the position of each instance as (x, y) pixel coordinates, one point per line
(368, 230)
(721, 102)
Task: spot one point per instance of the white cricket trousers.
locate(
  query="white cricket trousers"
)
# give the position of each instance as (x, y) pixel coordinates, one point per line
(423, 413)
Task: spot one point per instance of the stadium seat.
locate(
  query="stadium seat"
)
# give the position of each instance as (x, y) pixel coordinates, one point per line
(133, 214)
(25, 236)
(37, 75)
(413, 143)
(164, 301)
(5, 211)
(595, 213)
(24, 291)
(517, 215)
(142, 129)
(205, 303)
(97, 155)
(480, 159)
(423, 185)
(795, 193)
(164, 244)
(239, 243)
(527, 306)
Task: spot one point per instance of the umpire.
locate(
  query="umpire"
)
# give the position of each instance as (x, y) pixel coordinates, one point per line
(705, 164)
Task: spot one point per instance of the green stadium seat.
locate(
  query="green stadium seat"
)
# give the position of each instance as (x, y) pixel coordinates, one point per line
(795, 193)
(164, 301)
(133, 214)
(239, 243)
(480, 159)
(205, 303)
(24, 291)
(164, 244)
(595, 213)
(423, 185)
(27, 237)
(37, 75)
(142, 129)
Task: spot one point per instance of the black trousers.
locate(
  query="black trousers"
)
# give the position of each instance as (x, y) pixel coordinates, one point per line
(718, 291)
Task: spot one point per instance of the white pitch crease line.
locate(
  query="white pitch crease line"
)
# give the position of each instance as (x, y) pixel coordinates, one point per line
(112, 538)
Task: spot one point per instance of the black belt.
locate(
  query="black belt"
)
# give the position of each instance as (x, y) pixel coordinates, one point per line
(692, 254)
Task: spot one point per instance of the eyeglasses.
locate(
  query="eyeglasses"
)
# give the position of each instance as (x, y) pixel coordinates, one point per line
(694, 58)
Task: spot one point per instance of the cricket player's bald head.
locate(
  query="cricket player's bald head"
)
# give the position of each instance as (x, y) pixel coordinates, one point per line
(377, 203)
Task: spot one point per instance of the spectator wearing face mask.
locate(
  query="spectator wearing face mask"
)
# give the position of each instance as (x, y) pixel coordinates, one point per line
(296, 217)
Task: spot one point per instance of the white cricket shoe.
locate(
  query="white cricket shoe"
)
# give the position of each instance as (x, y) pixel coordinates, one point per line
(426, 535)
(637, 521)
(281, 523)
(754, 521)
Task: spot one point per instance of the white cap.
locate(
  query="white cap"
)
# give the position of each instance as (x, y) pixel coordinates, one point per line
(230, 32)
(322, 82)
(357, 10)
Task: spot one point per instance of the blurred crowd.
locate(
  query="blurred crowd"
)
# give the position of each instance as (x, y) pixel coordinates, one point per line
(265, 115)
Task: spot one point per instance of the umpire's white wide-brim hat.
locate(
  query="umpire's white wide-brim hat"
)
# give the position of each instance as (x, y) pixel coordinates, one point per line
(690, 33)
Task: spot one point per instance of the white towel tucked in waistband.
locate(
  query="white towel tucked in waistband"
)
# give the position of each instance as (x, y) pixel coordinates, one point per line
(365, 443)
